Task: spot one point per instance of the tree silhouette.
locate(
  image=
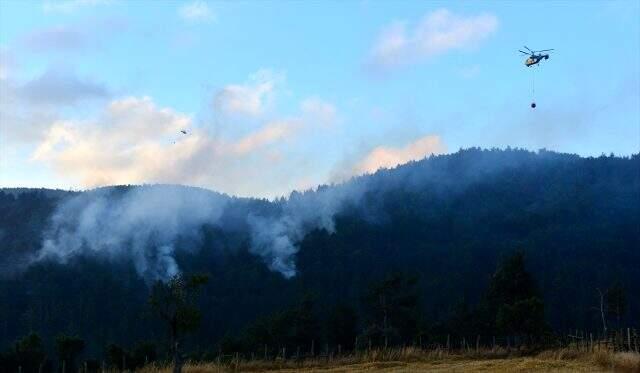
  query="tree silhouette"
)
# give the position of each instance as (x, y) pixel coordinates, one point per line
(68, 348)
(393, 305)
(616, 301)
(514, 299)
(28, 354)
(175, 303)
(342, 326)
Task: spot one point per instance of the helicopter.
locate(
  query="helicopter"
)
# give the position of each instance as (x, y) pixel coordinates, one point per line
(534, 56)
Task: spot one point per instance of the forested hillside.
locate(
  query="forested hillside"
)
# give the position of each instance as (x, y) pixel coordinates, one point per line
(435, 230)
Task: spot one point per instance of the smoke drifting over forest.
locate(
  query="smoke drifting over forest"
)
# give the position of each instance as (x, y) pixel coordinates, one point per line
(141, 223)
(72, 258)
(150, 224)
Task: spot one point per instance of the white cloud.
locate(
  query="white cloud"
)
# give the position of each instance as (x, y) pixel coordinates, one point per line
(27, 108)
(70, 6)
(250, 98)
(196, 11)
(438, 32)
(123, 145)
(388, 157)
(135, 141)
(270, 133)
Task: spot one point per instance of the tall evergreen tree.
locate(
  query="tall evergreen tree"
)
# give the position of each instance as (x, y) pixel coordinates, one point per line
(28, 354)
(393, 306)
(68, 348)
(514, 299)
(342, 326)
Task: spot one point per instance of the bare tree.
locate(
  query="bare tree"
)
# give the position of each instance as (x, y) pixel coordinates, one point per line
(603, 295)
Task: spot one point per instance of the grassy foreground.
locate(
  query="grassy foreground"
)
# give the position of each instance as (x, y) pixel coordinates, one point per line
(414, 360)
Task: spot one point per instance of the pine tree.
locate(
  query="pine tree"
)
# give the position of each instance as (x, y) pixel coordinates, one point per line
(514, 299)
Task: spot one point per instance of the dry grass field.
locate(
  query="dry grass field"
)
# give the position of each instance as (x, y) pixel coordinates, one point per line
(413, 360)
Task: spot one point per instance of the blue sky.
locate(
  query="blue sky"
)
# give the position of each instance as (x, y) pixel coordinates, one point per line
(282, 95)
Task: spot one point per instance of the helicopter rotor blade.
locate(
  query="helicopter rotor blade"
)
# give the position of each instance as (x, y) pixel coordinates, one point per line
(527, 48)
(523, 52)
(545, 50)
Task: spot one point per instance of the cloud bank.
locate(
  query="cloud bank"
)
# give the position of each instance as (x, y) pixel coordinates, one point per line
(438, 32)
(251, 98)
(132, 140)
(389, 157)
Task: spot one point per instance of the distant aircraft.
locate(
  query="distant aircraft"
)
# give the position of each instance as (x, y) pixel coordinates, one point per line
(183, 132)
(533, 57)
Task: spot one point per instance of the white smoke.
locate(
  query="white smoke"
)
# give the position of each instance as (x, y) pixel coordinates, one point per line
(143, 224)
(276, 239)
(150, 224)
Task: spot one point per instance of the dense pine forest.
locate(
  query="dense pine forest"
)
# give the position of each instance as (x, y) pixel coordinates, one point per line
(479, 242)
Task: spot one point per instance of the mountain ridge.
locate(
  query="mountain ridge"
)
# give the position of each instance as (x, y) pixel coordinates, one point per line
(447, 219)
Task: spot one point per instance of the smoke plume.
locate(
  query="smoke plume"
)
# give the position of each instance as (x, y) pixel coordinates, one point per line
(143, 224)
(149, 225)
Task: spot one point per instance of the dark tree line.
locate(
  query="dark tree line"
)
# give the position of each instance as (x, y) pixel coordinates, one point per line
(440, 225)
(390, 316)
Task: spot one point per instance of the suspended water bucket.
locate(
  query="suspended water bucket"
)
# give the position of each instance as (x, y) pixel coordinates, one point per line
(533, 105)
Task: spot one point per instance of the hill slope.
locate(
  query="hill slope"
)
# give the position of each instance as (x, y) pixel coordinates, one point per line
(82, 262)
